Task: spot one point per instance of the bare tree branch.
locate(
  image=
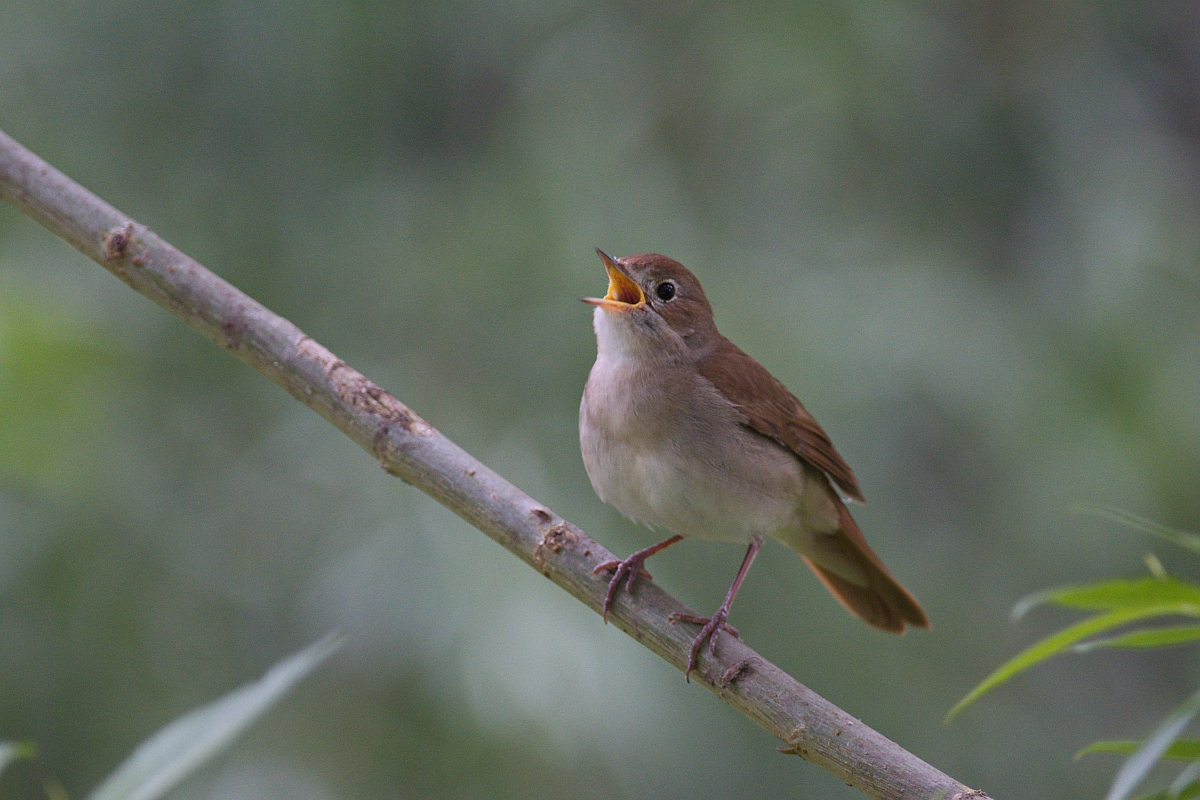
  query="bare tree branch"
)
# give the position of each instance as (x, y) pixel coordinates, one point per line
(409, 448)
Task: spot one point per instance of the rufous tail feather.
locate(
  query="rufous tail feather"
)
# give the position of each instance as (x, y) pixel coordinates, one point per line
(882, 603)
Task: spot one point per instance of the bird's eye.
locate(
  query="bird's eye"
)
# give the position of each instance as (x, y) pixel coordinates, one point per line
(665, 291)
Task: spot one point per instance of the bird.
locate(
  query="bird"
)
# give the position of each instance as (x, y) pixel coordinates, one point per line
(681, 430)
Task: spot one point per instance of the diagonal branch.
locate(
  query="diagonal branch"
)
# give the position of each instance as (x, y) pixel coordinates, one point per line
(412, 450)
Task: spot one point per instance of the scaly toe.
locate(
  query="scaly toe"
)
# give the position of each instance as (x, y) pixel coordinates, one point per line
(628, 571)
(606, 566)
(712, 630)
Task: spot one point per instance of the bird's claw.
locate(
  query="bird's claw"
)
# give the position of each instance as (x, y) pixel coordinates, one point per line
(628, 570)
(710, 627)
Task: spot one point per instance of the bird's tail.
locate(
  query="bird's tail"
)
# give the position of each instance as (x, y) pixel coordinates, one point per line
(873, 594)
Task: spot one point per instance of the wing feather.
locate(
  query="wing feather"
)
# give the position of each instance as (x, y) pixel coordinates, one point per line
(773, 411)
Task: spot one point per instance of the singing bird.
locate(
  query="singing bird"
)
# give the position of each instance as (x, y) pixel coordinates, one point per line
(681, 430)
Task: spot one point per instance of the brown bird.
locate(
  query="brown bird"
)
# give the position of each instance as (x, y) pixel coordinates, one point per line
(680, 429)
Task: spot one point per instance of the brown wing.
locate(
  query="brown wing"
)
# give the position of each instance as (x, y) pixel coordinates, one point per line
(770, 409)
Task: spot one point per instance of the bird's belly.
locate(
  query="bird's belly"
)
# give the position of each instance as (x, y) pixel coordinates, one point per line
(698, 493)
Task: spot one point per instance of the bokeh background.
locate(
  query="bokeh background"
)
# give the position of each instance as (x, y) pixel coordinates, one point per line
(966, 234)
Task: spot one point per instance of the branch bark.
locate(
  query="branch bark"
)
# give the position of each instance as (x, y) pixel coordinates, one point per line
(412, 450)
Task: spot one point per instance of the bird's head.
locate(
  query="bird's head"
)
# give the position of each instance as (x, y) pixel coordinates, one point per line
(653, 302)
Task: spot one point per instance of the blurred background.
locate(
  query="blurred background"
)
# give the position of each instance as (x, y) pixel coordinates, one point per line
(965, 234)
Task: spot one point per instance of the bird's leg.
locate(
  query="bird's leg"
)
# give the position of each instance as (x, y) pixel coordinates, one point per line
(629, 569)
(712, 625)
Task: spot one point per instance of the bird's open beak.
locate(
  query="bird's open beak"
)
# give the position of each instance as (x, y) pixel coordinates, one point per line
(623, 291)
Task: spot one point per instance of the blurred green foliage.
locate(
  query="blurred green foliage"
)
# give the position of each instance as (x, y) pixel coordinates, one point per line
(965, 234)
(1123, 605)
(186, 744)
(48, 367)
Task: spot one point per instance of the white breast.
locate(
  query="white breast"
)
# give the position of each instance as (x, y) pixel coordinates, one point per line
(664, 447)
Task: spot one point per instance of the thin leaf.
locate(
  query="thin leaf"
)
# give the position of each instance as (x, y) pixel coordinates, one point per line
(1057, 643)
(175, 751)
(1185, 539)
(1152, 749)
(15, 751)
(1032, 601)
(1148, 637)
(1133, 593)
(1116, 594)
(1180, 750)
(1125, 746)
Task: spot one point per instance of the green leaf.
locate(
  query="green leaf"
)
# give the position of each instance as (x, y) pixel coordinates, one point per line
(1185, 539)
(1153, 748)
(1115, 594)
(1149, 637)
(15, 751)
(1180, 750)
(174, 752)
(1135, 593)
(1058, 642)
(1125, 746)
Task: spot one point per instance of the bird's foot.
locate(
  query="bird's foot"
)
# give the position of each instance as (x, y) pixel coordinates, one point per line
(710, 628)
(628, 570)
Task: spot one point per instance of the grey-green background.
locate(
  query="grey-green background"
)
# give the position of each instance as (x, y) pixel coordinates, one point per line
(964, 233)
